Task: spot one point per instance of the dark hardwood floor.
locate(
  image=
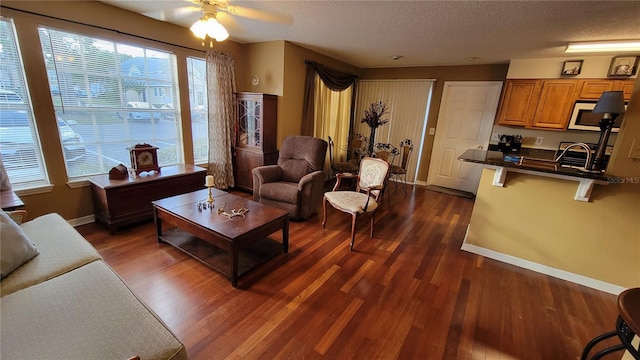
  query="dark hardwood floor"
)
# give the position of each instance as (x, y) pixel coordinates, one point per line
(408, 293)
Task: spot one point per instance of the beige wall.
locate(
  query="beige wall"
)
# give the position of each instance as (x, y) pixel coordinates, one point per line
(535, 218)
(74, 203)
(593, 67)
(441, 74)
(265, 60)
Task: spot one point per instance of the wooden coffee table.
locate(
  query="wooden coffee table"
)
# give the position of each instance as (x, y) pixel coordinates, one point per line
(230, 246)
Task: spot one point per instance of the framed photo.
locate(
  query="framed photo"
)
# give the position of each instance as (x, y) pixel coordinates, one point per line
(623, 66)
(572, 67)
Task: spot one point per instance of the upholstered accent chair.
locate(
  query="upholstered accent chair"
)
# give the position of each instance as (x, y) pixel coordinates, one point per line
(370, 182)
(295, 184)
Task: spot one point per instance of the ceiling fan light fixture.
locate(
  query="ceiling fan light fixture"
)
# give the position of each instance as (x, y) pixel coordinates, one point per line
(215, 30)
(208, 25)
(199, 28)
(603, 46)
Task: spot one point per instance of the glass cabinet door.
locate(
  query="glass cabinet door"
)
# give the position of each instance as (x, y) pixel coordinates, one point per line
(249, 123)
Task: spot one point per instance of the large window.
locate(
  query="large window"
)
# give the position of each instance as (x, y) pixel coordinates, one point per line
(197, 72)
(109, 96)
(20, 146)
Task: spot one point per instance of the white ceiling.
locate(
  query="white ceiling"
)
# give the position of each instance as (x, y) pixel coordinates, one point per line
(368, 33)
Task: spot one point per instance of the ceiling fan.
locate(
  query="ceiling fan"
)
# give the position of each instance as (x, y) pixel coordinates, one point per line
(209, 26)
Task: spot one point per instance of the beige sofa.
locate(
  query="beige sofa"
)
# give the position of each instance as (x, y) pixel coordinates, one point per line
(66, 303)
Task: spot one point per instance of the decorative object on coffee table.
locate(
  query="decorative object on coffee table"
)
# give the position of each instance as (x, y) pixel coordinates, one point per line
(144, 158)
(209, 183)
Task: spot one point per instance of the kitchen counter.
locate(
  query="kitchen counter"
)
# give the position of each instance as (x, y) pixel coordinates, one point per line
(540, 167)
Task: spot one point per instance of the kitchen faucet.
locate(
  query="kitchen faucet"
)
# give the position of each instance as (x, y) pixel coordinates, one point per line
(587, 163)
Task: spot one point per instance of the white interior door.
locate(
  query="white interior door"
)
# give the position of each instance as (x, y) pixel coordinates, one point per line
(466, 117)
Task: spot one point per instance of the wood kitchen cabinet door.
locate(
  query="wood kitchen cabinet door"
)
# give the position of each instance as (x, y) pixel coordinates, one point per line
(626, 86)
(519, 101)
(555, 104)
(593, 89)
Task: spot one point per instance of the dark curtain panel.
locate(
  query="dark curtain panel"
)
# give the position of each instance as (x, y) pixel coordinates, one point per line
(334, 80)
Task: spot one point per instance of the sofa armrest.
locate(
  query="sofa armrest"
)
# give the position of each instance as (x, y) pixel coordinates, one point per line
(262, 175)
(310, 179)
(311, 188)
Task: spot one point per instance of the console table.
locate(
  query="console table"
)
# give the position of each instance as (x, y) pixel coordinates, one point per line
(121, 202)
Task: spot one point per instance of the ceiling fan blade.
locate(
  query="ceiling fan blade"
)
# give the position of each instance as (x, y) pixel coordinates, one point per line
(171, 14)
(261, 15)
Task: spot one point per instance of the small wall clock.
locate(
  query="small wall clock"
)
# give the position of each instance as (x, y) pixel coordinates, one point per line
(144, 158)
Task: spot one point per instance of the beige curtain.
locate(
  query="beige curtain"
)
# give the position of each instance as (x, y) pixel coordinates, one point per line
(332, 114)
(221, 95)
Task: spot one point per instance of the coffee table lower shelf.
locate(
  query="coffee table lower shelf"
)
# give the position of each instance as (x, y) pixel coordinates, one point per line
(249, 257)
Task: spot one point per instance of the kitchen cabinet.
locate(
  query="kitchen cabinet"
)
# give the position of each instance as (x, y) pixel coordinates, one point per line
(626, 86)
(519, 101)
(555, 104)
(532, 103)
(592, 89)
(256, 133)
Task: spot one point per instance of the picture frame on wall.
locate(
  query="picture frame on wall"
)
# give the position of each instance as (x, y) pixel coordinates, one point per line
(623, 66)
(572, 67)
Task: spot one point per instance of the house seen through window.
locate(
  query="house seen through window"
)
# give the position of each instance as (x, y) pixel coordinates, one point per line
(111, 96)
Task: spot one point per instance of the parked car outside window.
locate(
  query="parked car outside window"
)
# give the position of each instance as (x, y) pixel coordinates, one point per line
(17, 138)
(141, 114)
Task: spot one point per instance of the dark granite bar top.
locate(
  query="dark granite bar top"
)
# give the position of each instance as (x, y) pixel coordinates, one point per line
(544, 165)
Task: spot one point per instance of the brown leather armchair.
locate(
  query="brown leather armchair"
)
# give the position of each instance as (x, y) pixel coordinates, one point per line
(296, 183)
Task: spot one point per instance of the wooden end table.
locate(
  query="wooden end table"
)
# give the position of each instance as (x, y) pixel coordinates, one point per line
(232, 246)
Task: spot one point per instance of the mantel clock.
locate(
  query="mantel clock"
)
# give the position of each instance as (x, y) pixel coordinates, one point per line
(144, 157)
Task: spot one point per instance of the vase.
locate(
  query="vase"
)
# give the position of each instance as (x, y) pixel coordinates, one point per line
(371, 142)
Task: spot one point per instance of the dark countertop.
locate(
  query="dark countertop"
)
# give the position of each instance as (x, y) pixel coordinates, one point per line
(496, 158)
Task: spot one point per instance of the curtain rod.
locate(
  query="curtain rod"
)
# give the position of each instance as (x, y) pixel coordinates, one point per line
(99, 27)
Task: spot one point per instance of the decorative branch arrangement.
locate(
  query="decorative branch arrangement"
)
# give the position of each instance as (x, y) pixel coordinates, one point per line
(373, 118)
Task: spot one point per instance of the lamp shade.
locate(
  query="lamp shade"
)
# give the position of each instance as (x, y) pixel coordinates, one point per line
(611, 102)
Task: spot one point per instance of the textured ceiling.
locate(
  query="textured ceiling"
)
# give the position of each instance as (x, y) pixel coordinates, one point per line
(367, 34)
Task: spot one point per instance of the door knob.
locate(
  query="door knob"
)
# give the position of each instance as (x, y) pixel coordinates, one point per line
(480, 147)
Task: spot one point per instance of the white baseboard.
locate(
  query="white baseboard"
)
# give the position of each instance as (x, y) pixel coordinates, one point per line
(543, 269)
(82, 220)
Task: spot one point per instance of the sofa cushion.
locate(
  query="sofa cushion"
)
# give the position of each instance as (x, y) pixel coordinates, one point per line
(61, 249)
(87, 313)
(280, 191)
(15, 247)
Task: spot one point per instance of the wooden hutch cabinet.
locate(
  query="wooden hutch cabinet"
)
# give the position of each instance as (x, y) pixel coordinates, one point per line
(256, 135)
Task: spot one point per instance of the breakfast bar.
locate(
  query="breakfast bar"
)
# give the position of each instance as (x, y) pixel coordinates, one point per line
(502, 164)
(526, 214)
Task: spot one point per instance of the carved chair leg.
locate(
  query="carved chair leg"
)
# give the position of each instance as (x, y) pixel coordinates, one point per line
(324, 210)
(354, 217)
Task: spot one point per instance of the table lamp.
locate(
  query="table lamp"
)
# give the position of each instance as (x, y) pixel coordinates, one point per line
(610, 104)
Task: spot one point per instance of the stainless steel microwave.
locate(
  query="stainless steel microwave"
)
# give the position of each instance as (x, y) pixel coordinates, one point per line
(583, 119)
